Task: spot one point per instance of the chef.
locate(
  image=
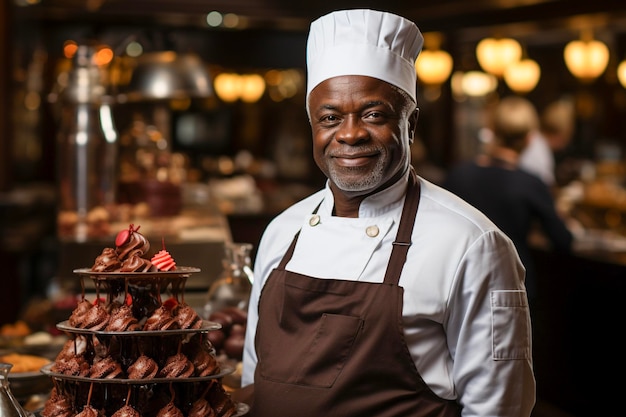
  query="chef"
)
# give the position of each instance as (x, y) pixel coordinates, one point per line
(382, 294)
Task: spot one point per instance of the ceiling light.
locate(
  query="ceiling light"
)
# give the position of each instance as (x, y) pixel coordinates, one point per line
(231, 87)
(473, 83)
(433, 65)
(586, 58)
(495, 55)
(621, 73)
(522, 76)
(227, 86)
(252, 87)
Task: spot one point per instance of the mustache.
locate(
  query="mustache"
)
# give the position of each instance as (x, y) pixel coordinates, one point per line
(353, 151)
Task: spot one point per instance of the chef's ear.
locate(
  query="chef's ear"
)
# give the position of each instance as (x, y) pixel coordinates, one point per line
(413, 124)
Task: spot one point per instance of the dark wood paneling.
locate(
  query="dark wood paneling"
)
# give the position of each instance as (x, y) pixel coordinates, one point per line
(5, 96)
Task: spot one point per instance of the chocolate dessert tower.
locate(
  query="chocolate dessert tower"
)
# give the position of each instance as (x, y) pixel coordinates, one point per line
(137, 349)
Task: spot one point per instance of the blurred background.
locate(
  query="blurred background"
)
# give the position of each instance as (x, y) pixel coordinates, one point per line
(187, 117)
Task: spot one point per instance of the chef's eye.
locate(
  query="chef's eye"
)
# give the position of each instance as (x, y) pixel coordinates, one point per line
(375, 117)
(329, 118)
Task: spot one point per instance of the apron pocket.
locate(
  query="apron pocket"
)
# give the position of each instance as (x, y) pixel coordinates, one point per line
(316, 361)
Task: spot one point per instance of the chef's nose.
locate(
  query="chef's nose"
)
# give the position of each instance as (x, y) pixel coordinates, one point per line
(352, 131)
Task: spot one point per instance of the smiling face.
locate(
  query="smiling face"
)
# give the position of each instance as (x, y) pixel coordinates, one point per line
(362, 129)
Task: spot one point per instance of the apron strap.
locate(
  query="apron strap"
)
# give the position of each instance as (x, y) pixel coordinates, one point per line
(405, 230)
(287, 256)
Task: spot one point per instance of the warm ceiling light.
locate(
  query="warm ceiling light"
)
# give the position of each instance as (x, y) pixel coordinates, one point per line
(522, 76)
(495, 55)
(433, 67)
(252, 88)
(586, 58)
(231, 87)
(473, 83)
(621, 73)
(227, 86)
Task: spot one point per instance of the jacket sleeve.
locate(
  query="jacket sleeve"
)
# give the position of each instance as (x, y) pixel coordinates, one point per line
(489, 332)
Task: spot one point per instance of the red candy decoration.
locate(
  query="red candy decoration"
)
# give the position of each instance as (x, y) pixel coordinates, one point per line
(123, 236)
(163, 260)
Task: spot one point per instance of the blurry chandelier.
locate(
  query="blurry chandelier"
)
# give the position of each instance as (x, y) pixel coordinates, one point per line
(522, 76)
(586, 58)
(495, 55)
(433, 65)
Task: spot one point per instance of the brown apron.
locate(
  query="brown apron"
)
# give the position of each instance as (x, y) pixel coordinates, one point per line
(329, 347)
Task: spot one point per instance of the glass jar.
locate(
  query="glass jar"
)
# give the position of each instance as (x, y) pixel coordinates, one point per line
(232, 288)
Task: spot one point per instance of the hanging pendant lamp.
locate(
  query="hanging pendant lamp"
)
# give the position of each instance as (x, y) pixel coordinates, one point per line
(586, 58)
(495, 55)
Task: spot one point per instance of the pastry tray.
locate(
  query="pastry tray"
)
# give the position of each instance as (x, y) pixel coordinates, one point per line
(225, 370)
(207, 326)
(179, 272)
(242, 409)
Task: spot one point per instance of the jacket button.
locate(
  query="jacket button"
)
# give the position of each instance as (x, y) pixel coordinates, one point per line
(314, 220)
(372, 231)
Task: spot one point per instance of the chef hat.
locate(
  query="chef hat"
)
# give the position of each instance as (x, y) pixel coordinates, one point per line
(363, 42)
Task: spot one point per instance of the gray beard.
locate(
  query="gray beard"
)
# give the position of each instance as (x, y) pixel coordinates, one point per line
(364, 183)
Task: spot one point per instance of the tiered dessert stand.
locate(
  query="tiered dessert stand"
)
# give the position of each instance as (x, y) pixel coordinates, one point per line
(151, 396)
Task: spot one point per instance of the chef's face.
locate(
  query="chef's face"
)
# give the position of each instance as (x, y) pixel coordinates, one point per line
(362, 129)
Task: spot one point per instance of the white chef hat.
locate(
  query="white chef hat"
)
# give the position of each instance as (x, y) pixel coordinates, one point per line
(363, 42)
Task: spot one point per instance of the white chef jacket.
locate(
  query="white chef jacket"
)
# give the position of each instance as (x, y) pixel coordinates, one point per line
(465, 311)
(538, 159)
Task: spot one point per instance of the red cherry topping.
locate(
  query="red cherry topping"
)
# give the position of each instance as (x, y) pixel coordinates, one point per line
(123, 236)
(129, 300)
(170, 303)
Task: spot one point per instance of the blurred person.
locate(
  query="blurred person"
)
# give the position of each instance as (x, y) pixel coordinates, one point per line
(381, 294)
(514, 199)
(556, 129)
